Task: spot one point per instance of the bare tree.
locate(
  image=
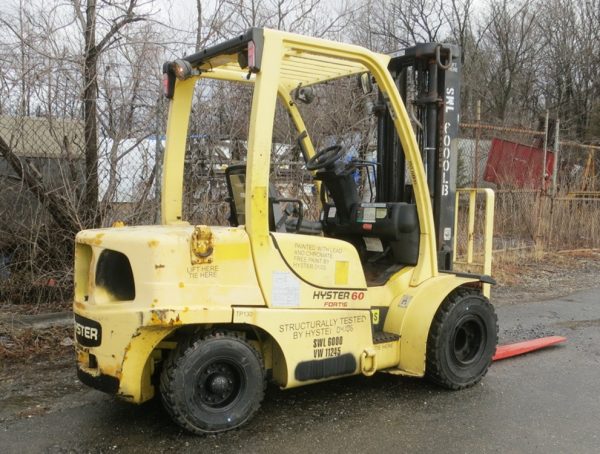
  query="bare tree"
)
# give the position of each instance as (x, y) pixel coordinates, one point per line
(121, 13)
(391, 25)
(510, 45)
(568, 80)
(54, 158)
(458, 16)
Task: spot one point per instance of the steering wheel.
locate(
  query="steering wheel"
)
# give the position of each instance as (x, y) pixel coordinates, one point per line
(325, 157)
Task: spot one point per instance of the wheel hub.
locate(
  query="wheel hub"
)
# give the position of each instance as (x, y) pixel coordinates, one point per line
(218, 384)
(468, 340)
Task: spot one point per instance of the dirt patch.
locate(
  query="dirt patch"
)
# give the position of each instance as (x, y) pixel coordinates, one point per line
(37, 372)
(37, 308)
(523, 278)
(41, 384)
(31, 344)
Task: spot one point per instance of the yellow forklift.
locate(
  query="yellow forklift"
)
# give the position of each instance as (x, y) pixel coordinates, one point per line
(205, 315)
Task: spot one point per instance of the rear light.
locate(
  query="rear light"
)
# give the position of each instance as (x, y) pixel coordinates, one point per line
(183, 69)
(251, 55)
(168, 81)
(165, 85)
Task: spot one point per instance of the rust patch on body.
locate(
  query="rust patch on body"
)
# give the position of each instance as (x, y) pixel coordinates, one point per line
(164, 317)
(153, 243)
(83, 358)
(201, 245)
(113, 371)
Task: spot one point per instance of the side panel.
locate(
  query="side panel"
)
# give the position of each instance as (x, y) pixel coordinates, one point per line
(293, 287)
(164, 275)
(324, 262)
(116, 338)
(411, 314)
(316, 344)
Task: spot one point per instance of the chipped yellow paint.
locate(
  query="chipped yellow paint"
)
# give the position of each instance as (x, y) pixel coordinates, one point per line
(113, 371)
(83, 357)
(155, 318)
(153, 243)
(164, 317)
(97, 241)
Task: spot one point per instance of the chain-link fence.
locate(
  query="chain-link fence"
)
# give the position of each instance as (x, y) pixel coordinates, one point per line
(45, 176)
(478, 145)
(558, 208)
(45, 189)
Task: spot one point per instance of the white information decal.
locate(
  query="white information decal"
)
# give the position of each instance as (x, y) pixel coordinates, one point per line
(285, 291)
(447, 234)
(373, 244)
(405, 301)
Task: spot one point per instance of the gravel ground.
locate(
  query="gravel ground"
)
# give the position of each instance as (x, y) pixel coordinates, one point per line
(552, 276)
(37, 373)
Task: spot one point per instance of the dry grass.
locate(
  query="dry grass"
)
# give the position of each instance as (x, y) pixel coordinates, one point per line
(30, 343)
(541, 273)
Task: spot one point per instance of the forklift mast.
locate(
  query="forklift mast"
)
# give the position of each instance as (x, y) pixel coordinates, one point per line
(428, 79)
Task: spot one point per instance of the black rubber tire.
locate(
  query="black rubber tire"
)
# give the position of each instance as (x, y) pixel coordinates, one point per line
(462, 340)
(212, 383)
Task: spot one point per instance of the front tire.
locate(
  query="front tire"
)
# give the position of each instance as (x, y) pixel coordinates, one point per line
(213, 383)
(462, 340)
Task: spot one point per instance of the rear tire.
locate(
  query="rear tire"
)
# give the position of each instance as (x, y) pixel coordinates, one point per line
(462, 340)
(213, 383)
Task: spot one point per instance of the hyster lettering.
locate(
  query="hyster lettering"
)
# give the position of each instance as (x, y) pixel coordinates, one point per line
(337, 295)
(331, 295)
(86, 331)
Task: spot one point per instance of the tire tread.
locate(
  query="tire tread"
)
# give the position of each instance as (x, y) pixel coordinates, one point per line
(433, 366)
(174, 360)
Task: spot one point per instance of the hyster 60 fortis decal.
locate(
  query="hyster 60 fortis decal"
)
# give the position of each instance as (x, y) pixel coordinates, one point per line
(338, 298)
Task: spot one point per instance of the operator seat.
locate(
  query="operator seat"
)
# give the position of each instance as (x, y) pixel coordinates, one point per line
(384, 232)
(281, 217)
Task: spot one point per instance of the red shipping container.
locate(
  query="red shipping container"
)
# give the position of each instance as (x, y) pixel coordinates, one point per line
(514, 165)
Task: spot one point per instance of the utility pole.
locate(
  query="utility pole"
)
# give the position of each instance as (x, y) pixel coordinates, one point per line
(556, 156)
(545, 152)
